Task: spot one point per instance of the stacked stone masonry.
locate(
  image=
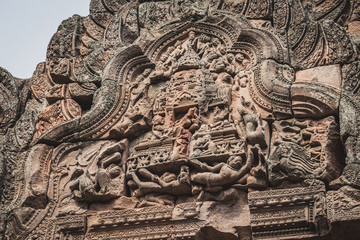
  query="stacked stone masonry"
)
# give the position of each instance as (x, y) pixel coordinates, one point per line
(187, 119)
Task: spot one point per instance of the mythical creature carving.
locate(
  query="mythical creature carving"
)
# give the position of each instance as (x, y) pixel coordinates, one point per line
(102, 178)
(305, 149)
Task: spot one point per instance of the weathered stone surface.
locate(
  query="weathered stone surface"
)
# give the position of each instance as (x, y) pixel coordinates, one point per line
(305, 149)
(316, 92)
(343, 212)
(14, 94)
(37, 173)
(289, 213)
(178, 119)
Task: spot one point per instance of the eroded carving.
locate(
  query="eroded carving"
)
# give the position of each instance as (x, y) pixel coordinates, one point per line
(270, 212)
(99, 177)
(305, 149)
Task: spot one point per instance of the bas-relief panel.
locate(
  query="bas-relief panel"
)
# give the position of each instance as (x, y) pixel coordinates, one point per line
(187, 120)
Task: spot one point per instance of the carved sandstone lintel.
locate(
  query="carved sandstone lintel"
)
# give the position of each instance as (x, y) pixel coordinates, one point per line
(288, 213)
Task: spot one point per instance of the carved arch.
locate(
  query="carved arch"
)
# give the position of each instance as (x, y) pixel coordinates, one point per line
(109, 105)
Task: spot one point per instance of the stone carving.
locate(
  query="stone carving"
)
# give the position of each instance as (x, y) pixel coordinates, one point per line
(305, 149)
(314, 34)
(316, 92)
(179, 133)
(96, 178)
(55, 114)
(343, 208)
(234, 171)
(348, 127)
(187, 119)
(41, 81)
(13, 96)
(183, 132)
(65, 99)
(302, 208)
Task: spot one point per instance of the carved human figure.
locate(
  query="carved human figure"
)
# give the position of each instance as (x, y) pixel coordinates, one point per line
(211, 53)
(181, 144)
(239, 169)
(203, 44)
(195, 144)
(202, 146)
(81, 183)
(197, 140)
(183, 132)
(240, 80)
(116, 153)
(162, 69)
(159, 130)
(240, 67)
(191, 120)
(209, 147)
(242, 63)
(190, 41)
(139, 88)
(159, 102)
(101, 186)
(168, 181)
(220, 118)
(103, 177)
(135, 118)
(173, 53)
(220, 63)
(255, 128)
(222, 173)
